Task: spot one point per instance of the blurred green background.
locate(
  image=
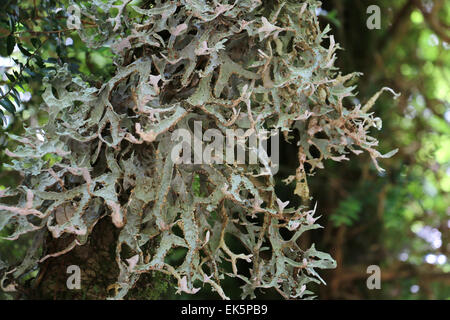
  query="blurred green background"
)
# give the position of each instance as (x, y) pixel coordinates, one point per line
(398, 220)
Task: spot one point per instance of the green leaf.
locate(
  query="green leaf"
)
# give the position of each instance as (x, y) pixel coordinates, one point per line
(39, 61)
(8, 105)
(23, 50)
(36, 42)
(10, 44)
(10, 77)
(12, 24)
(2, 116)
(15, 94)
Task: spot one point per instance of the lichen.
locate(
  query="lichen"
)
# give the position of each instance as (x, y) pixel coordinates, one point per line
(229, 65)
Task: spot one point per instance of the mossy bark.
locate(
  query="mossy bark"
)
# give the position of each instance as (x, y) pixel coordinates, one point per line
(99, 270)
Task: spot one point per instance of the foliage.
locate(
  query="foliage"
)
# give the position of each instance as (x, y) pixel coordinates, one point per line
(410, 54)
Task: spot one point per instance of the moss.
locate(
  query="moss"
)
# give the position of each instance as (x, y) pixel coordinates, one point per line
(152, 286)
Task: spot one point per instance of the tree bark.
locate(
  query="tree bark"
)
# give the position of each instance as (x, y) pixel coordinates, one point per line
(96, 260)
(99, 271)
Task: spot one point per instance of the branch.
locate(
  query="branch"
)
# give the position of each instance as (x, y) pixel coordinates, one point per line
(400, 18)
(433, 21)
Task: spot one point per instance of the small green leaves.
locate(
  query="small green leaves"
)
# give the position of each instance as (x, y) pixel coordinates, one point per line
(347, 212)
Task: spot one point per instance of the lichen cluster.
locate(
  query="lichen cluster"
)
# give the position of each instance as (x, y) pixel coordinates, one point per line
(228, 64)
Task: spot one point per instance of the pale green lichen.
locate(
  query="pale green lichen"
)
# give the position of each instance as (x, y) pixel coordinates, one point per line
(223, 63)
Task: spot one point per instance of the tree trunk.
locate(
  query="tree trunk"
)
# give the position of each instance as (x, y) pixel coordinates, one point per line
(99, 270)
